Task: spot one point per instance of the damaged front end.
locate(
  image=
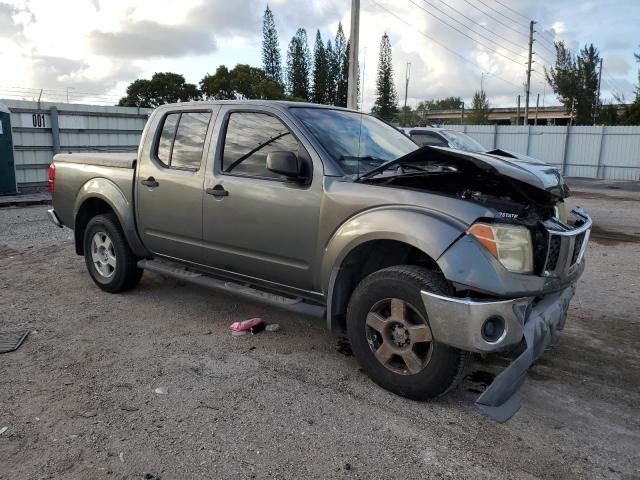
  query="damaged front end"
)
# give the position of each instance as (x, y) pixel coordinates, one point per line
(513, 271)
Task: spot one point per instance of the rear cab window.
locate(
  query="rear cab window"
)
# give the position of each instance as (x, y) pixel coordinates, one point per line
(181, 141)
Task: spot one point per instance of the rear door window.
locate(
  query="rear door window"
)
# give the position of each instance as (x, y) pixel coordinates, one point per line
(181, 141)
(189, 142)
(166, 138)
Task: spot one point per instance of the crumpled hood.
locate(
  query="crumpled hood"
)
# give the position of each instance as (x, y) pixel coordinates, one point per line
(499, 162)
(540, 174)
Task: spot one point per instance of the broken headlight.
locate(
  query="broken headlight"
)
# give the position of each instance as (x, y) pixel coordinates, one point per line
(510, 244)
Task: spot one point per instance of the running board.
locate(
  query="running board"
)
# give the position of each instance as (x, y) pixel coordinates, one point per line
(296, 304)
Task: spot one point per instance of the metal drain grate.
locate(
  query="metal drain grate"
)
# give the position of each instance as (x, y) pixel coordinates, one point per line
(10, 341)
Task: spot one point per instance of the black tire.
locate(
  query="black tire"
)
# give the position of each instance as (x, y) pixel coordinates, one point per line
(124, 274)
(441, 366)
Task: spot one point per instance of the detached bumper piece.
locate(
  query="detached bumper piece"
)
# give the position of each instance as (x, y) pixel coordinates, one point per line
(501, 400)
(492, 326)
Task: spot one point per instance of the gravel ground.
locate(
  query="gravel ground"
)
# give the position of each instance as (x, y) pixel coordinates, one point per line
(78, 398)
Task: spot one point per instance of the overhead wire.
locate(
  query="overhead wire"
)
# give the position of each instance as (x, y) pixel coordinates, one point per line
(479, 24)
(549, 43)
(453, 52)
(497, 20)
(613, 82)
(511, 9)
(502, 14)
(464, 34)
(477, 33)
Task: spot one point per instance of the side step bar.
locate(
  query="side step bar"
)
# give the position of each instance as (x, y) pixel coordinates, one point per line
(296, 304)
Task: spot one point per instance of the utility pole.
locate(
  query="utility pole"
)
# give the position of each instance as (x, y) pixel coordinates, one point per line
(364, 66)
(518, 112)
(406, 90)
(462, 115)
(526, 99)
(573, 110)
(596, 111)
(352, 82)
(535, 122)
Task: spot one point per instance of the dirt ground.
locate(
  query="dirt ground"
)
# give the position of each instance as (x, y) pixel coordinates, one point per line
(78, 398)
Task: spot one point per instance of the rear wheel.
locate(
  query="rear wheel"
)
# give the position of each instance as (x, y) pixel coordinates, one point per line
(388, 327)
(111, 263)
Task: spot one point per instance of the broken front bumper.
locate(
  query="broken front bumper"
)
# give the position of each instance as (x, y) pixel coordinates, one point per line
(461, 323)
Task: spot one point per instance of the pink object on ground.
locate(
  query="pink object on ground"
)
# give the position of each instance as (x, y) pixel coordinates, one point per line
(245, 325)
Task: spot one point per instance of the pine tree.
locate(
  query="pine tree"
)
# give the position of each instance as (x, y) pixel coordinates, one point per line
(320, 72)
(271, 61)
(385, 105)
(340, 60)
(342, 90)
(574, 79)
(331, 74)
(479, 113)
(298, 66)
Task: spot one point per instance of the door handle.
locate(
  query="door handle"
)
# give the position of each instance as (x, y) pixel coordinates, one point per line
(150, 182)
(218, 191)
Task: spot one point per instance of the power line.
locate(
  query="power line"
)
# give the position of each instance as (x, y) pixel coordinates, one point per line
(453, 52)
(480, 25)
(502, 14)
(496, 19)
(511, 9)
(613, 82)
(462, 33)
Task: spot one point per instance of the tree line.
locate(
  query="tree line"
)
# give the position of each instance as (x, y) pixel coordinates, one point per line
(321, 76)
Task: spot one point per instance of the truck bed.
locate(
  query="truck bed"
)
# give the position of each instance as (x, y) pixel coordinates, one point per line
(108, 176)
(115, 160)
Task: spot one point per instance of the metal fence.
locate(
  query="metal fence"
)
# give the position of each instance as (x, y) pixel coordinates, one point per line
(42, 129)
(611, 153)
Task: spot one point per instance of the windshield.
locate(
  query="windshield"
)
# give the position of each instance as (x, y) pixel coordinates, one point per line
(358, 142)
(463, 142)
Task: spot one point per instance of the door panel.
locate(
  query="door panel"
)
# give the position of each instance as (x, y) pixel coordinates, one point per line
(264, 226)
(169, 186)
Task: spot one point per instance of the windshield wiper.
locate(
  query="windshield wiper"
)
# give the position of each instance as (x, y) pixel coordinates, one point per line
(251, 152)
(388, 164)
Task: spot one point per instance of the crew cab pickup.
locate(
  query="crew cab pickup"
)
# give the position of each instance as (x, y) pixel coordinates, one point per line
(419, 255)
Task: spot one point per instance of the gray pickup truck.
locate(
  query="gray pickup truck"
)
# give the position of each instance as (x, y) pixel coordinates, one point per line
(420, 255)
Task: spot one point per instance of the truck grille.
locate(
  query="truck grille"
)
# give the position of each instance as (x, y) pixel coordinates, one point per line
(555, 242)
(577, 247)
(566, 244)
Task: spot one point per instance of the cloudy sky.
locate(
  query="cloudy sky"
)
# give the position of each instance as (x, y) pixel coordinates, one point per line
(92, 49)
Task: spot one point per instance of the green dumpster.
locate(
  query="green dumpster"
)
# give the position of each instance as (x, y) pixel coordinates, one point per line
(7, 165)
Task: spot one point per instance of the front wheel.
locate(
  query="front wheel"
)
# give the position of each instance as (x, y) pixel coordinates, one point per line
(388, 327)
(111, 263)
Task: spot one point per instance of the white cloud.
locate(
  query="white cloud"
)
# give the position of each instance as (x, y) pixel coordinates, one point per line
(102, 45)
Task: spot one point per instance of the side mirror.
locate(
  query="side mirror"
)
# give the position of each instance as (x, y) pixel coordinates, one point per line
(284, 163)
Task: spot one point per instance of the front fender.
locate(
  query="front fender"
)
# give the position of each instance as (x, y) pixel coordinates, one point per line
(428, 231)
(110, 193)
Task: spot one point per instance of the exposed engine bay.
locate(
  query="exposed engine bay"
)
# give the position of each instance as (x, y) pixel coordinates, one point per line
(468, 177)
